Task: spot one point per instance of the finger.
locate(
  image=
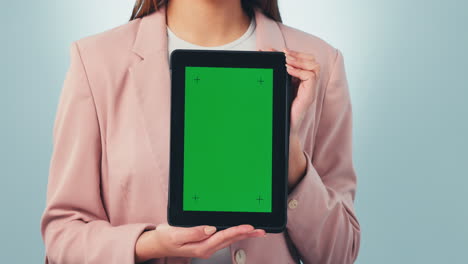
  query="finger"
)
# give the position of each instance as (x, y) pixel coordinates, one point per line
(204, 251)
(305, 64)
(302, 60)
(183, 235)
(303, 75)
(218, 238)
(299, 54)
(253, 233)
(227, 234)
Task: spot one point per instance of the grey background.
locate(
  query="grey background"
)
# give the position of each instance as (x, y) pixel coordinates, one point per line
(406, 63)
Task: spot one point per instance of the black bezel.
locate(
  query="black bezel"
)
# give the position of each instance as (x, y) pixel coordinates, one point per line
(273, 222)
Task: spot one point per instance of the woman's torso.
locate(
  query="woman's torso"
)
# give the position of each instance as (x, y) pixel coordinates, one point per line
(129, 74)
(245, 42)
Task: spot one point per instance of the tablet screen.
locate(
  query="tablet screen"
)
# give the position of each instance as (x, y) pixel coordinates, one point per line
(228, 139)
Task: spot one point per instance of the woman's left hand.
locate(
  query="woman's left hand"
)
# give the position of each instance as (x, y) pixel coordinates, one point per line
(305, 72)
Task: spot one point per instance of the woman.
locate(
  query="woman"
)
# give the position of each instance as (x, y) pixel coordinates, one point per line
(107, 190)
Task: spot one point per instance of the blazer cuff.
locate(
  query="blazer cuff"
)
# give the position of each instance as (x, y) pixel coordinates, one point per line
(118, 243)
(128, 236)
(303, 198)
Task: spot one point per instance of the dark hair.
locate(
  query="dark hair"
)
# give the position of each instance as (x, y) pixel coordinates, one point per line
(268, 7)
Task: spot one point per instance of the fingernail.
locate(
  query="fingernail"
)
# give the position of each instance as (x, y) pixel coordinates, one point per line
(210, 230)
(290, 57)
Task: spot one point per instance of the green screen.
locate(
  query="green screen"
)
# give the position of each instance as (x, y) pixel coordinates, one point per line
(227, 139)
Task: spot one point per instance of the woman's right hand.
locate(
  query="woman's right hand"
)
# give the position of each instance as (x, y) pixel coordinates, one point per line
(195, 242)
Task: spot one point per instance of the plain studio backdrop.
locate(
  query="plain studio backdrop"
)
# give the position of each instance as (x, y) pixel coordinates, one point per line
(407, 67)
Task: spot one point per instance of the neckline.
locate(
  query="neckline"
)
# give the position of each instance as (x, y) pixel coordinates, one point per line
(231, 44)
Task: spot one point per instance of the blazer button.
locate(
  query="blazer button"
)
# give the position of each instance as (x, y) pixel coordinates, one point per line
(240, 256)
(292, 204)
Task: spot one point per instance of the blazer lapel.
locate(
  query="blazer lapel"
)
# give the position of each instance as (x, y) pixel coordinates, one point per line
(151, 82)
(268, 32)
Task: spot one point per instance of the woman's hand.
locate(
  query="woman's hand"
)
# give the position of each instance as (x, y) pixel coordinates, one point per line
(198, 242)
(305, 72)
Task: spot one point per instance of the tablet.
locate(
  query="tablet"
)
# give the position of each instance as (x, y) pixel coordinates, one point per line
(229, 140)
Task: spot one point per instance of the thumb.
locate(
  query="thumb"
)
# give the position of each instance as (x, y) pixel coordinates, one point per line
(194, 234)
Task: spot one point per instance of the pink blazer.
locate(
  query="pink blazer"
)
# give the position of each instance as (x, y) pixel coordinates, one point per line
(108, 178)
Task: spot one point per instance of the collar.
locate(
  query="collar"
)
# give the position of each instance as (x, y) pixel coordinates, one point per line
(152, 35)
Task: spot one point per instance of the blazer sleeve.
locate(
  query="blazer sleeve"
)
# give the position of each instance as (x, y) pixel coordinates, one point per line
(74, 224)
(321, 220)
